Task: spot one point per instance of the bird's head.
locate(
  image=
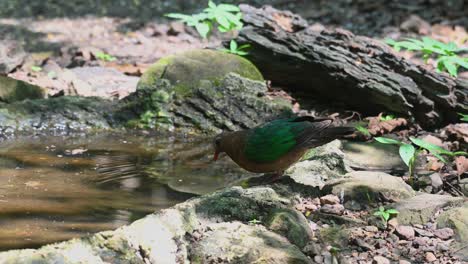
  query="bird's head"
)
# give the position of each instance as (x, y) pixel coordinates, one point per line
(218, 146)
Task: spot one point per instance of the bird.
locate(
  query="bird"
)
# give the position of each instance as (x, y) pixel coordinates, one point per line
(274, 146)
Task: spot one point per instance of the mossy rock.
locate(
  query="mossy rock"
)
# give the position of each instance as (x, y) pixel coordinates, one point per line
(12, 90)
(186, 70)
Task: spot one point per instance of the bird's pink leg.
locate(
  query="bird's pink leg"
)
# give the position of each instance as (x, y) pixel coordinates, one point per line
(276, 176)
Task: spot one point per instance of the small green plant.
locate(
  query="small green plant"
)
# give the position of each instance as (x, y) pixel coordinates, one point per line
(408, 152)
(255, 222)
(363, 130)
(225, 16)
(104, 56)
(447, 58)
(387, 117)
(463, 117)
(36, 68)
(235, 49)
(385, 213)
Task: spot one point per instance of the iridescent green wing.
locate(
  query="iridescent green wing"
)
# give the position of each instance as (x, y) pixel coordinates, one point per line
(272, 140)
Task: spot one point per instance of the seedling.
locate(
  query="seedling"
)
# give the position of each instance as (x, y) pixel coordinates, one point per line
(104, 56)
(385, 213)
(36, 68)
(408, 152)
(255, 221)
(225, 16)
(387, 117)
(363, 130)
(235, 49)
(463, 117)
(447, 58)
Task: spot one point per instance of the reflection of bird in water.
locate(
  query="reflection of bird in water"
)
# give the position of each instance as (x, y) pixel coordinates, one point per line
(276, 145)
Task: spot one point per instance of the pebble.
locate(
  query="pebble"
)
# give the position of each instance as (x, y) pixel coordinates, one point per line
(329, 199)
(420, 241)
(381, 260)
(423, 232)
(443, 233)
(392, 223)
(436, 180)
(406, 232)
(402, 261)
(371, 229)
(336, 209)
(430, 257)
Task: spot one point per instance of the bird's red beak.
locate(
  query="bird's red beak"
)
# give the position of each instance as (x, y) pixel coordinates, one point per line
(216, 154)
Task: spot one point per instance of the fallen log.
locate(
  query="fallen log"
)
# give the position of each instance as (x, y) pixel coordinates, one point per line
(334, 65)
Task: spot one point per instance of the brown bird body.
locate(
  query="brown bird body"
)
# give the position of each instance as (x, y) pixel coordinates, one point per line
(276, 145)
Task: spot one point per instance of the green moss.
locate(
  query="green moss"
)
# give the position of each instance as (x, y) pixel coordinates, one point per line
(186, 70)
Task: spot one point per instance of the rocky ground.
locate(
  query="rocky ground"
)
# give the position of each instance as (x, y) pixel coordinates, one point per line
(290, 221)
(323, 212)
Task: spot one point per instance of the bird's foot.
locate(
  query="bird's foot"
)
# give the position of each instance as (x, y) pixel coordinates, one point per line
(276, 177)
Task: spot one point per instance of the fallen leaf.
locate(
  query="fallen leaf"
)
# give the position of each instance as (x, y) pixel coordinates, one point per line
(461, 163)
(378, 127)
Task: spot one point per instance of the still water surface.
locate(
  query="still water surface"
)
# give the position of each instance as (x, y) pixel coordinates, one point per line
(57, 188)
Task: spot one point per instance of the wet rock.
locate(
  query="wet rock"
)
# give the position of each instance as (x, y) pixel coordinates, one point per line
(291, 224)
(12, 90)
(329, 199)
(336, 209)
(443, 233)
(373, 156)
(222, 244)
(12, 55)
(98, 81)
(185, 70)
(319, 165)
(405, 232)
(368, 187)
(421, 208)
(231, 103)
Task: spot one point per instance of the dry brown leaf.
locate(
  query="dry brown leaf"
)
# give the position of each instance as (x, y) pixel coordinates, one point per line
(462, 165)
(379, 127)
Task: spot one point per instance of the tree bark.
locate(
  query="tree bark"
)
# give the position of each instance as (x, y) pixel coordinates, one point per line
(334, 65)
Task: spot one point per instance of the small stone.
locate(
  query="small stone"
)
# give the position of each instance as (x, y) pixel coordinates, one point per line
(402, 261)
(353, 205)
(430, 257)
(422, 232)
(443, 233)
(371, 229)
(318, 259)
(381, 260)
(363, 244)
(392, 223)
(436, 180)
(420, 241)
(329, 199)
(406, 232)
(443, 247)
(336, 209)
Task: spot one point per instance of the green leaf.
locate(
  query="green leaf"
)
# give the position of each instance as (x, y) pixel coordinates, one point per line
(386, 216)
(36, 68)
(451, 67)
(407, 152)
(178, 16)
(385, 140)
(211, 4)
(241, 53)
(363, 130)
(203, 29)
(233, 45)
(229, 8)
(392, 211)
(387, 118)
